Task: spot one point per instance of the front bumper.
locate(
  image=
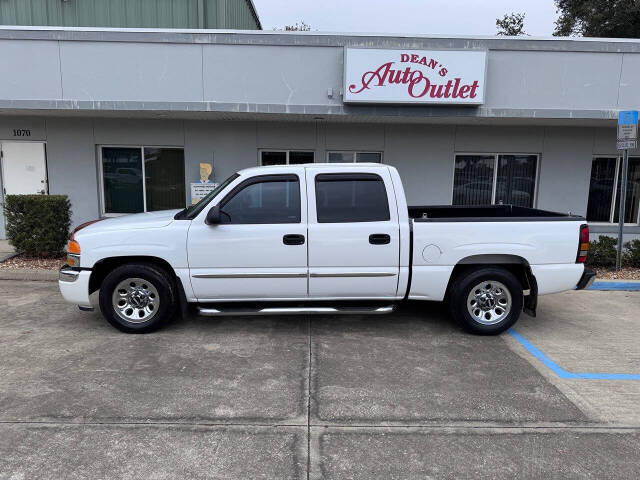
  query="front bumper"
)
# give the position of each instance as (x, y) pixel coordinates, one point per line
(74, 285)
(587, 279)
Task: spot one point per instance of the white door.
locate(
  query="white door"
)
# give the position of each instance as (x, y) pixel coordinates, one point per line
(24, 168)
(354, 234)
(259, 250)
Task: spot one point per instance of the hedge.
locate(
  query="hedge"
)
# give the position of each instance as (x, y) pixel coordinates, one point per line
(38, 225)
(603, 252)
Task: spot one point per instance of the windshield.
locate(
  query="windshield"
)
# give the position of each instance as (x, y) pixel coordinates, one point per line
(193, 210)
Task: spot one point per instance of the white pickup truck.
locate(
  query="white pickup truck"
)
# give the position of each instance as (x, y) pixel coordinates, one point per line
(328, 239)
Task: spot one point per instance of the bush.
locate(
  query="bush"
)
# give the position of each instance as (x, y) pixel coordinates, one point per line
(632, 254)
(602, 252)
(38, 225)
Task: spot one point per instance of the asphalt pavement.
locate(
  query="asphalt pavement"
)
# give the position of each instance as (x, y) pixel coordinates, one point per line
(407, 395)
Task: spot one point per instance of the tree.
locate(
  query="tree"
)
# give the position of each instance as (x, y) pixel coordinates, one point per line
(511, 24)
(598, 18)
(298, 27)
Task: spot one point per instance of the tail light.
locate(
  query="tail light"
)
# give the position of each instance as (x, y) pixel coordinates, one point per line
(583, 246)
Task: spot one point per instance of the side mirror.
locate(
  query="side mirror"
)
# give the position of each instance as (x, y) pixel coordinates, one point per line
(213, 216)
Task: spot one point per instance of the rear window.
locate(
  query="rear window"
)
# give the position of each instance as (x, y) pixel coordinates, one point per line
(342, 198)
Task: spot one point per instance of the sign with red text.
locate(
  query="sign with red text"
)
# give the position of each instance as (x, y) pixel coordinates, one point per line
(414, 76)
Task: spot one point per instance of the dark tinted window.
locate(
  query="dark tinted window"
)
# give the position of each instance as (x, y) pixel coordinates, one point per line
(273, 200)
(351, 198)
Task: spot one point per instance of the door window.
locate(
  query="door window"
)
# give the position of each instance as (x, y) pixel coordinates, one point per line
(342, 198)
(274, 199)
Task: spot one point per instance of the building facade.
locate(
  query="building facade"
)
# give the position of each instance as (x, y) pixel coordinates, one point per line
(238, 14)
(132, 120)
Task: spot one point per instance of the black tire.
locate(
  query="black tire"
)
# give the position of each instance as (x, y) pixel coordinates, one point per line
(154, 279)
(461, 290)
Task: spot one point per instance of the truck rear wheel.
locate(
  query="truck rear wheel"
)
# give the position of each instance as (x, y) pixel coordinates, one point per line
(137, 298)
(486, 301)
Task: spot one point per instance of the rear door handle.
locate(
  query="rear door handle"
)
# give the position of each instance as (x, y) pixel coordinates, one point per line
(293, 239)
(379, 239)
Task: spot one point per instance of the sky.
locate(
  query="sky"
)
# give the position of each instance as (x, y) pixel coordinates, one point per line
(442, 17)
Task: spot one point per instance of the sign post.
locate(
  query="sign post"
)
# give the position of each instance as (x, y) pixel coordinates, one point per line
(627, 138)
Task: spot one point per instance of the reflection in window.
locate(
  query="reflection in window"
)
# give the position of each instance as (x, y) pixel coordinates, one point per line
(351, 157)
(285, 157)
(633, 192)
(473, 179)
(164, 178)
(131, 174)
(516, 180)
(351, 198)
(495, 179)
(122, 177)
(270, 201)
(601, 187)
(605, 190)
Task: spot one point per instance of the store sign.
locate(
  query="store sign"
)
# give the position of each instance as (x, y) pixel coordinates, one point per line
(414, 76)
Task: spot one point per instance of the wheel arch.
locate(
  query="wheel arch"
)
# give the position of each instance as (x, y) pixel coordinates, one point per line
(515, 264)
(102, 268)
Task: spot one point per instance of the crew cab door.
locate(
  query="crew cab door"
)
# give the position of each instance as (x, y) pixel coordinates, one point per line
(259, 249)
(354, 235)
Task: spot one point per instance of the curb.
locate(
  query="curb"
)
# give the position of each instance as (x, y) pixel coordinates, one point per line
(29, 274)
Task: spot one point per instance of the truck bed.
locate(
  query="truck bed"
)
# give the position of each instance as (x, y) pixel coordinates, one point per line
(485, 213)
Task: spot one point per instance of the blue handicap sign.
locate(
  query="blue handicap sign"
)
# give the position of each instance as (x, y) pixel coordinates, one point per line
(628, 117)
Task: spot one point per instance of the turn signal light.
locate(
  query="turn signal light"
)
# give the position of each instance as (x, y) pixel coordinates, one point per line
(73, 247)
(583, 246)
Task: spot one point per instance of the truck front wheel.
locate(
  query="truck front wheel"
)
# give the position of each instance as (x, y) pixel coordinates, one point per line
(137, 298)
(486, 300)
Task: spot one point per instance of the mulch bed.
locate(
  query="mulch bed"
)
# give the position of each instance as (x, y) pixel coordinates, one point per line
(33, 263)
(627, 273)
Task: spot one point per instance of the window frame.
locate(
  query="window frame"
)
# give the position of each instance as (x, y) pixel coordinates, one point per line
(494, 187)
(614, 197)
(355, 152)
(277, 177)
(103, 213)
(287, 152)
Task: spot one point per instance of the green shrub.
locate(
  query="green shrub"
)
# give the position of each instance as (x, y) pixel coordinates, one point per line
(632, 254)
(38, 225)
(602, 252)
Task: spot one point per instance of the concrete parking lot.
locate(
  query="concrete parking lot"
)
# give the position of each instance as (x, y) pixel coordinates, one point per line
(402, 396)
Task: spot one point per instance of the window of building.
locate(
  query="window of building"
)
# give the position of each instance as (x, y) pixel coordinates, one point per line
(142, 179)
(354, 157)
(494, 179)
(273, 200)
(285, 157)
(604, 190)
(344, 198)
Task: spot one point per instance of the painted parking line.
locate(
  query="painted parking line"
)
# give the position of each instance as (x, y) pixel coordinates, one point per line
(624, 286)
(562, 373)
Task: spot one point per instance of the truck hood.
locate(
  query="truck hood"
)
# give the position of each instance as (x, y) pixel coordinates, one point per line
(157, 219)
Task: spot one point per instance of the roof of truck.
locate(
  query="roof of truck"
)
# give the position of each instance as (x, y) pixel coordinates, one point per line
(310, 165)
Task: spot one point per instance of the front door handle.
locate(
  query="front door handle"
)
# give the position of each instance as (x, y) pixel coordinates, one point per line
(379, 239)
(293, 239)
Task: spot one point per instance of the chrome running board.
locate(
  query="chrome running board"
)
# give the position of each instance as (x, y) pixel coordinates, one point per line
(215, 312)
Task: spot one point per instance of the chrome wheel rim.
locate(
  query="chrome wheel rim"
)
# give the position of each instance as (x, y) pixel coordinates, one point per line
(135, 300)
(489, 302)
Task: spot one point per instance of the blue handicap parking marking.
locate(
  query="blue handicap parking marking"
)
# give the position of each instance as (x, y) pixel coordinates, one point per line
(623, 286)
(562, 373)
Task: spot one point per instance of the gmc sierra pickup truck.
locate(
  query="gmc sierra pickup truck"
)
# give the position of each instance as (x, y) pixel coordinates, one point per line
(327, 239)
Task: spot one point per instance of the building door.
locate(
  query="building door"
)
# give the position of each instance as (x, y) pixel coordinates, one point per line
(24, 168)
